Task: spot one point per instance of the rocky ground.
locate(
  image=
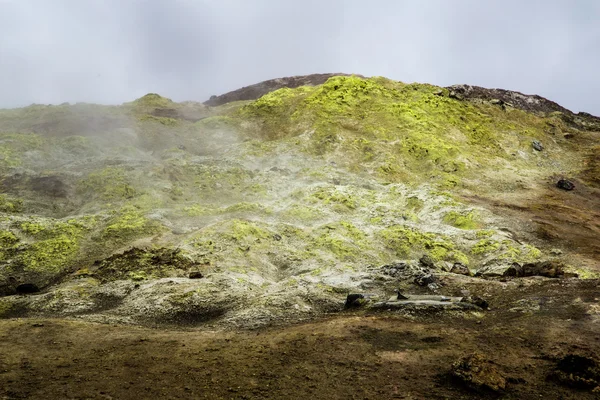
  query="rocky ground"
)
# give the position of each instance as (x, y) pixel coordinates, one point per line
(343, 236)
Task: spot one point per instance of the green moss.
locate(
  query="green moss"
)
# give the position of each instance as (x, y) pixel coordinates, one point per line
(152, 100)
(302, 213)
(414, 203)
(410, 242)
(129, 222)
(110, 184)
(10, 206)
(485, 246)
(50, 255)
(468, 220)
(14, 145)
(484, 233)
(327, 195)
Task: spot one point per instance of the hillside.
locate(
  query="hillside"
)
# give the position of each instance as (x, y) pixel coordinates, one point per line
(269, 205)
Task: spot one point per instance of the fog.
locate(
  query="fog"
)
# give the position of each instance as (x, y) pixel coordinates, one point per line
(109, 52)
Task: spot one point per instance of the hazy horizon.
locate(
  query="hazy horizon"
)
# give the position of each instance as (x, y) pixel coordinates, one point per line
(111, 52)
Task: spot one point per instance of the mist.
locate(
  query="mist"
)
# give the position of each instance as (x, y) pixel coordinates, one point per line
(110, 52)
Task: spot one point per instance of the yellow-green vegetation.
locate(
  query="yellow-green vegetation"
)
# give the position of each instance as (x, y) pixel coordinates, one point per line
(14, 145)
(407, 242)
(341, 201)
(151, 101)
(110, 184)
(128, 223)
(506, 250)
(302, 213)
(344, 240)
(8, 241)
(469, 220)
(10, 206)
(55, 245)
(400, 130)
(485, 246)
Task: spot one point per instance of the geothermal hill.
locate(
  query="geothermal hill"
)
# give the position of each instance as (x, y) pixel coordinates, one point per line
(273, 202)
(418, 220)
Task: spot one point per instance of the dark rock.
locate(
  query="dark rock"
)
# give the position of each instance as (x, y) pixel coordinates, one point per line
(460, 269)
(258, 90)
(515, 270)
(537, 145)
(476, 300)
(27, 288)
(425, 279)
(277, 237)
(400, 295)
(427, 261)
(355, 300)
(578, 371)
(477, 373)
(565, 184)
(549, 269)
(196, 275)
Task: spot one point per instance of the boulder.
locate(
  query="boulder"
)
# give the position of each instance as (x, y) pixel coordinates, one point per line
(427, 262)
(565, 184)
(355, 300)
(460, 269)
(477, 373)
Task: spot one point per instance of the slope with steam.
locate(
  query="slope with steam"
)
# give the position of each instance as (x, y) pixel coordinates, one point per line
(283, 204)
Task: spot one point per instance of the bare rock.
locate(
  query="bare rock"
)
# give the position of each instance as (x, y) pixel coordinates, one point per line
(460, 269)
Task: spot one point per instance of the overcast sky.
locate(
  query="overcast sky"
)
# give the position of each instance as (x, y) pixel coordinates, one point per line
(112, 51)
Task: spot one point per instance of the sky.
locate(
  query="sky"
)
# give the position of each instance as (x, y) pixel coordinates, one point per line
(113, 51)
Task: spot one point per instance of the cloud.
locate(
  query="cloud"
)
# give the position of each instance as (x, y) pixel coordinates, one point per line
(114, 51)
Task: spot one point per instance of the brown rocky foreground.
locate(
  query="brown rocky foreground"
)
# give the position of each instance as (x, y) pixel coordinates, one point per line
(512, 351)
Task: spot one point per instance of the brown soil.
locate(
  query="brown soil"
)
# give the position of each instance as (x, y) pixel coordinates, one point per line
(349, 356)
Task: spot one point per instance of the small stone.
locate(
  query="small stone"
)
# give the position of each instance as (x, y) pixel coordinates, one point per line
(401, 296)
(425, 279)
(196, 275)
(515, 270)
(537, 145)
(27, 288)
(277, 237)
(478, 301)
(427, 261)
(460, 269)
(355, 300)
(556, 252)
(565, 184)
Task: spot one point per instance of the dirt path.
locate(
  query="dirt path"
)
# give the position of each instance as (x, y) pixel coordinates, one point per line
(351, 356)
